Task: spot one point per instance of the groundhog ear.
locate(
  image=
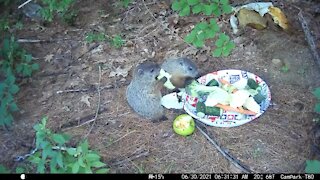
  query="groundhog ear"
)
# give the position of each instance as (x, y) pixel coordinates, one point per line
(140, 71)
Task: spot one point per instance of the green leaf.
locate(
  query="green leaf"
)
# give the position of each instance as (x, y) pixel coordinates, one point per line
(58, 138)
(28, 57)
(190, 37)
(317, 108)
(313, 166)
(230, 45)
(92, 157)
(84, 147)
(201, 36)
(192, 2)
(225, 52)
(219, 42)
(20, 170)
(3, 169)
(210, 33)
(75, 167)
(316, 93)
(217, 52)
(176, 6)
(197, 9)
(185, 11)
(71, 151)
(207, 9)
(81, 163)
(59, 158)
(202, 25)
(35, 66)
(226, 9)
(224, 2)
(13, 107)
(13, 89)
(198, 43)
(98, 164)
(102, 171)
(217, 12)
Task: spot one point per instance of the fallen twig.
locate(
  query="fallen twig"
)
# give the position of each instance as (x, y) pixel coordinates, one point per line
(83, 121)
(98, 105)
(309, 37)
(228, 156)
(23, 4)
(32, 40)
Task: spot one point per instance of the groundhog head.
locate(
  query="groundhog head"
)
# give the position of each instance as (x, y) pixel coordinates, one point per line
(147, 71)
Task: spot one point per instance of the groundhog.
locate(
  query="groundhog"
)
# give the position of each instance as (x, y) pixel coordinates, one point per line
(182, 71)
(144, 92)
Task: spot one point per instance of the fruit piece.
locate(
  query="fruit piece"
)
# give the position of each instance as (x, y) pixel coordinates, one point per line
(213, 82)
(252, 83)
(184, 125)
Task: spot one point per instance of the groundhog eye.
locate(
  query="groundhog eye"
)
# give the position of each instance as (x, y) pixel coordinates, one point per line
(152, 70)
(190, 68)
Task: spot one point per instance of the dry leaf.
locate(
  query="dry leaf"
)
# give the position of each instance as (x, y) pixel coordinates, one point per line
(279, 17)
(85, 99)
(48, 58)
(120, 72)
(252, 19)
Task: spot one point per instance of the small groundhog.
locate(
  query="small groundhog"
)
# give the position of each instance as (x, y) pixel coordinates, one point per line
(144, 92)
(181, 69)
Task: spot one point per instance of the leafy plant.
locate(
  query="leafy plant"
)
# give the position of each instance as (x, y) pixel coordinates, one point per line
(117, 41)
(204, 31)
(224, 46)
(52, 7)
(91, 37)
(6, 2)
(313, 166)
(14, 61)
(3, 169)
(125, 3)
(53, 155)
(316, 93)
(201, 32)
(209, 7)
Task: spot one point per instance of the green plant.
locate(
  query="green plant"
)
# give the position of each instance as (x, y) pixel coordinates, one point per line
(313, 166)
(4, 24)
(53, 156)
(51, 7)
(284, 68)
(316, 93)
(3, 169)
(6, 2)
(117, 41)
(224, 46)
(201, 32)
(204, 31)
(14, 61)
(209, 7)
(125, 3)
(91, 37)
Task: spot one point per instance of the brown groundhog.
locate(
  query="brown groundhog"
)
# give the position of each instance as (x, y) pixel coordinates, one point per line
(182, 70)
(144, 92)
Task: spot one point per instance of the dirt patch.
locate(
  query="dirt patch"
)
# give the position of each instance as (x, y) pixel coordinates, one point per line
(275, 142)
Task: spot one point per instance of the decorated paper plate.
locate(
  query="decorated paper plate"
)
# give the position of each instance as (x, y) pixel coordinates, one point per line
(238, 79)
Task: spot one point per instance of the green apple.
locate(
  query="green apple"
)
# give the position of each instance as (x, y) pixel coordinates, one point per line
(184, 125)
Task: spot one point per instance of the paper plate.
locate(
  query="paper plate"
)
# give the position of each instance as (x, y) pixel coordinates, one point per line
(237, 78)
